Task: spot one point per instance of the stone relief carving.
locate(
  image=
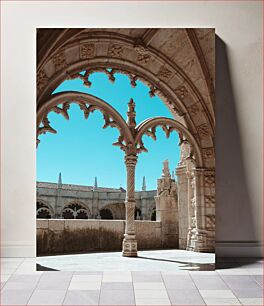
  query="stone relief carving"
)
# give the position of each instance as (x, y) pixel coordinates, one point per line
(42, 79)
(208, 153)
(210, 222)
(209, 181)
(87, 51)
(59, 61)
(143, 55)
(164, 73)
(209, 201)
(115, 50)
(194, 110)
(203, 130)
(194, 222)
(181, 92)
(166, 170)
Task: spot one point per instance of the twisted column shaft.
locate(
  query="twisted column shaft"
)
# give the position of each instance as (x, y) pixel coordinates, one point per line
(129, 242)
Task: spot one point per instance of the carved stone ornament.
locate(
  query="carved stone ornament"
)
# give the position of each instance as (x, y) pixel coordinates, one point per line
(110, 72)
(59, 61)
(203, 130)
(143, 55)
(208, 153)
(210, 222)
(115, 50)
(42, 79)
(194, 110)
(209, 201)
(87, 51)
(209, 181)
(166, 170)
(181, 92)
(165, 73)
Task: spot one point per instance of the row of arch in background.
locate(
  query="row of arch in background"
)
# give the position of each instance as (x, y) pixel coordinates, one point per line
(77, 211)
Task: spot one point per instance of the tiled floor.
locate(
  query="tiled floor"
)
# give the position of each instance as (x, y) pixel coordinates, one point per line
(157, 260)
(238, 282)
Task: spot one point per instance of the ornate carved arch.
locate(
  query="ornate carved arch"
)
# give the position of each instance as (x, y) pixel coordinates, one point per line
(124, 55)
(46, 204)
(82, 208)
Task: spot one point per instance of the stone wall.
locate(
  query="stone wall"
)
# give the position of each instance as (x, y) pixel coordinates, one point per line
(57, 197)
(74, 236)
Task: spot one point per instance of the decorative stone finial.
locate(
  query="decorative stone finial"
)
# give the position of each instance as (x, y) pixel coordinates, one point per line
(59, 181)
(131, 114)
(144, 187)
(95, 183)
(166, 170)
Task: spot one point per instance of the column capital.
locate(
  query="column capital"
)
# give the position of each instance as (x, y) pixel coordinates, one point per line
(131, 159)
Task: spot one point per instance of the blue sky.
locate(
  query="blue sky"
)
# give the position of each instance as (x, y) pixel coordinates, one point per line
(81, 149)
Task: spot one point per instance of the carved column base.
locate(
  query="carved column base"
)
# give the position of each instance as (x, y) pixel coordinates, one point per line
(189, 246)
(129, 247)
(200, 242)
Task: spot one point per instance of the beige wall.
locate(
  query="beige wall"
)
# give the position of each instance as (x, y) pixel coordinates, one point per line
(73, 236)
(239, 107)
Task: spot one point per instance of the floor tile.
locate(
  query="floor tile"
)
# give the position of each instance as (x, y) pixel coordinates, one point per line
(217, 294)
(222, 301)
(254, 271)
(117, 297)
(87, 297)
(87, 278)
(20, 285)
(243, 281)
(5, 277)
(85, 286)
(258, 279)
(151, 294)
(205, 273)
(47, 297)
(161, 302)
(151, 285)
(117, 286)
(88, 273)
(209, 282)
(11, 259)
(24, 278)
(117, 278)
(15, 297)
(251, 301)
(248, 293)
(146, 277)
(53, 285)
(185, 297)
(179, 282)
(233, 271)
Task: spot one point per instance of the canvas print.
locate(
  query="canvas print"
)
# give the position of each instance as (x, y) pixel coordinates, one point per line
(125, 149)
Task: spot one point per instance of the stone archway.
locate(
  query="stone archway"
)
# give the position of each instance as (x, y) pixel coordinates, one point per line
(184, 84)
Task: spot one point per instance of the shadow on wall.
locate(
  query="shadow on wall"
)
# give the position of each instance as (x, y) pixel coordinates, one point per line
(234, 216)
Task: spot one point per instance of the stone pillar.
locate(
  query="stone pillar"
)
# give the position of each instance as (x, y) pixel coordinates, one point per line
(130, 242)
(190, 209)
(199, 237)
(167, 209)
(182, 205)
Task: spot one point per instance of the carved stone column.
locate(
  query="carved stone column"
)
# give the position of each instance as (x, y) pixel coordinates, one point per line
(190, 209)
(130, 242)
(200, 235)
(167, 208)
(182, 205)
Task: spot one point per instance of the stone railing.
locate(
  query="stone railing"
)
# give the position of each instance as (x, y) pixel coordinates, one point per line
(60, 236)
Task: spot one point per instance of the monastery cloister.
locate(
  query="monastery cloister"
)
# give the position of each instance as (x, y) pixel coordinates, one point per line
(178, 66)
